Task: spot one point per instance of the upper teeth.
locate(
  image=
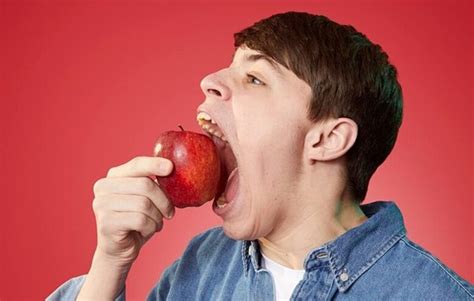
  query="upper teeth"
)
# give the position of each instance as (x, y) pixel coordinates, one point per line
(205, 116)
(209, 125)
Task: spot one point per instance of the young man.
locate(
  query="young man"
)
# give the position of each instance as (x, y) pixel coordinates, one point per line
(309, 109)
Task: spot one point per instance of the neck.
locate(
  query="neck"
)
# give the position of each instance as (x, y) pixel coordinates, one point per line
(309, 225)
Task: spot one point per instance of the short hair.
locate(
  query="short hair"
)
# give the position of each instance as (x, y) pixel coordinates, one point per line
(349, 77)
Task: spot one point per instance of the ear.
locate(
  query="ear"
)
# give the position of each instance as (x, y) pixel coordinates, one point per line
(330, 139)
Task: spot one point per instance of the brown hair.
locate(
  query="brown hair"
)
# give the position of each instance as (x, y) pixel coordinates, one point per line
(349, 76)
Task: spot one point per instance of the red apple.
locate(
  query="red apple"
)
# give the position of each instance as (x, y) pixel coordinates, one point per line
(197, 168)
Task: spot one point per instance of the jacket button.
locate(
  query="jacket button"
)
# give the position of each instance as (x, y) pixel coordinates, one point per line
(344, 277)
(322, 255)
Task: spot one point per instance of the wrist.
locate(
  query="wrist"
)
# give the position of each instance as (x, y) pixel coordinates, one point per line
(105, 280)
(102, 260)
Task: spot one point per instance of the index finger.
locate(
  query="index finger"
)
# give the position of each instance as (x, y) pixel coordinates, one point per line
(142, 166)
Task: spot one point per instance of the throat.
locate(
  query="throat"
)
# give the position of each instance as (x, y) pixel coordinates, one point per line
(290, 259)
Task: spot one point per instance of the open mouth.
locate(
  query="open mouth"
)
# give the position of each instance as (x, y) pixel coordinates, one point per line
(227, 157)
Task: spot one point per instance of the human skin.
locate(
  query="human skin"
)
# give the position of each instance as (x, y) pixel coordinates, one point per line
(129, 208)
(293, 194)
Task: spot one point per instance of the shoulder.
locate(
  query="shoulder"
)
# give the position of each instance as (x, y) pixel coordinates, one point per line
(212, 252)
(210, 257)
(426, 274)
(436, 265)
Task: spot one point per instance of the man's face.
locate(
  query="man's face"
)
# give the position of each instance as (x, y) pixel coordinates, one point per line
(261, 109)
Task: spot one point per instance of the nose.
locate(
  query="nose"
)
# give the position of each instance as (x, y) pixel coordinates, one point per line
(213, 85)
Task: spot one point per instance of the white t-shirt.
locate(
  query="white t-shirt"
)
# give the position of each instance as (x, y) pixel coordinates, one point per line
(285, 278)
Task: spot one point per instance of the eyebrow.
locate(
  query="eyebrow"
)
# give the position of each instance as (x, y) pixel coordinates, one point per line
(257, 57)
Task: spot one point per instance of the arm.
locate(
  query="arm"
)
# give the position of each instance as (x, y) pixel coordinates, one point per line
(162, 289)
(70, 289)
(129, 208)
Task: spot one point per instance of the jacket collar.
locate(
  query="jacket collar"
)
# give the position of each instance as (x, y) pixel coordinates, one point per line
(352, 253)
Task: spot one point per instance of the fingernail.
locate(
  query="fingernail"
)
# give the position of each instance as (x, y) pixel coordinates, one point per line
(171, 213)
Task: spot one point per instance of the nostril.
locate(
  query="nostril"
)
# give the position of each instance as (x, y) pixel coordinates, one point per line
(214, 91)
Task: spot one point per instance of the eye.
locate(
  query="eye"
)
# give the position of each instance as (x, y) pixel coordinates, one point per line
(254, 80)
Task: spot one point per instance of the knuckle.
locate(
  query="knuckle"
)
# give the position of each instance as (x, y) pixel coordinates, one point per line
(111, 172)
(146, 184)
(144, 204)
(97, 185)
(141, 221)
(96, 204)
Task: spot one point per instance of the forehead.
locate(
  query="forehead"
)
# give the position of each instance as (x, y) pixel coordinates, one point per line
(247, 56)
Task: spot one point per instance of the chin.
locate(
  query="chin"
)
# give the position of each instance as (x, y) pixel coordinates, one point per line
(247, 229)
(234, 233)
(238, 232)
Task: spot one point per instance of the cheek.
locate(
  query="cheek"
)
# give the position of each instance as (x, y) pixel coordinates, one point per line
(269, 159)
(270, 148)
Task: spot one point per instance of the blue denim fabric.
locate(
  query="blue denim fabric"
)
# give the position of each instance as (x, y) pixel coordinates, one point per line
(373, 261)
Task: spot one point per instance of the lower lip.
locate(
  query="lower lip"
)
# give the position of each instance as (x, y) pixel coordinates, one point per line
(231, 193)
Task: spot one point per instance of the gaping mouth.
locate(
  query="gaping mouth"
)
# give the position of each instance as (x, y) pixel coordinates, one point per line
(210, 126)
(227, 156)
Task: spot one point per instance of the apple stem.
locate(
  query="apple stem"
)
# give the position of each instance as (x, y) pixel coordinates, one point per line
(181, 127)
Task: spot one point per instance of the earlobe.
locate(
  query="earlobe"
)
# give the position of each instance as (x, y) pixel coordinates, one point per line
(330, 140)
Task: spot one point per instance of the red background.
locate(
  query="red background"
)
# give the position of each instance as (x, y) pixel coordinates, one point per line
(89, 85)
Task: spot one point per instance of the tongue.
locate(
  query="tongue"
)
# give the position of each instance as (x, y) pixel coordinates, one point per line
(232, 186)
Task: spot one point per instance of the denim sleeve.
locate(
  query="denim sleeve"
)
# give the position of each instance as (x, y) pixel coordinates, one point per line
(70, 289)
(163, 287)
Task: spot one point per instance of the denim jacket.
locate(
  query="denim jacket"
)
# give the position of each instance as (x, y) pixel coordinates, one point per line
(373, 261)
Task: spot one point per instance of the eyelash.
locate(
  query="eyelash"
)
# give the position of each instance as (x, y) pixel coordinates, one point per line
(251, 78)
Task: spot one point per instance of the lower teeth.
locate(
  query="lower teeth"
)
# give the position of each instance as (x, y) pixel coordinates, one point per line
(221, 202)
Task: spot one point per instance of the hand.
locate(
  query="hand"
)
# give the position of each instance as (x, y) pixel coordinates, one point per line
(129, 208)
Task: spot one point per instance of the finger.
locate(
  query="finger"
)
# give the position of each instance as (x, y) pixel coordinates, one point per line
(128, 203)
(143, 186)
(142, 166)
(134, 221)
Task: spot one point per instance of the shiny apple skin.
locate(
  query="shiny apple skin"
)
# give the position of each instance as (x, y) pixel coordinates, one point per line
(197, 168)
